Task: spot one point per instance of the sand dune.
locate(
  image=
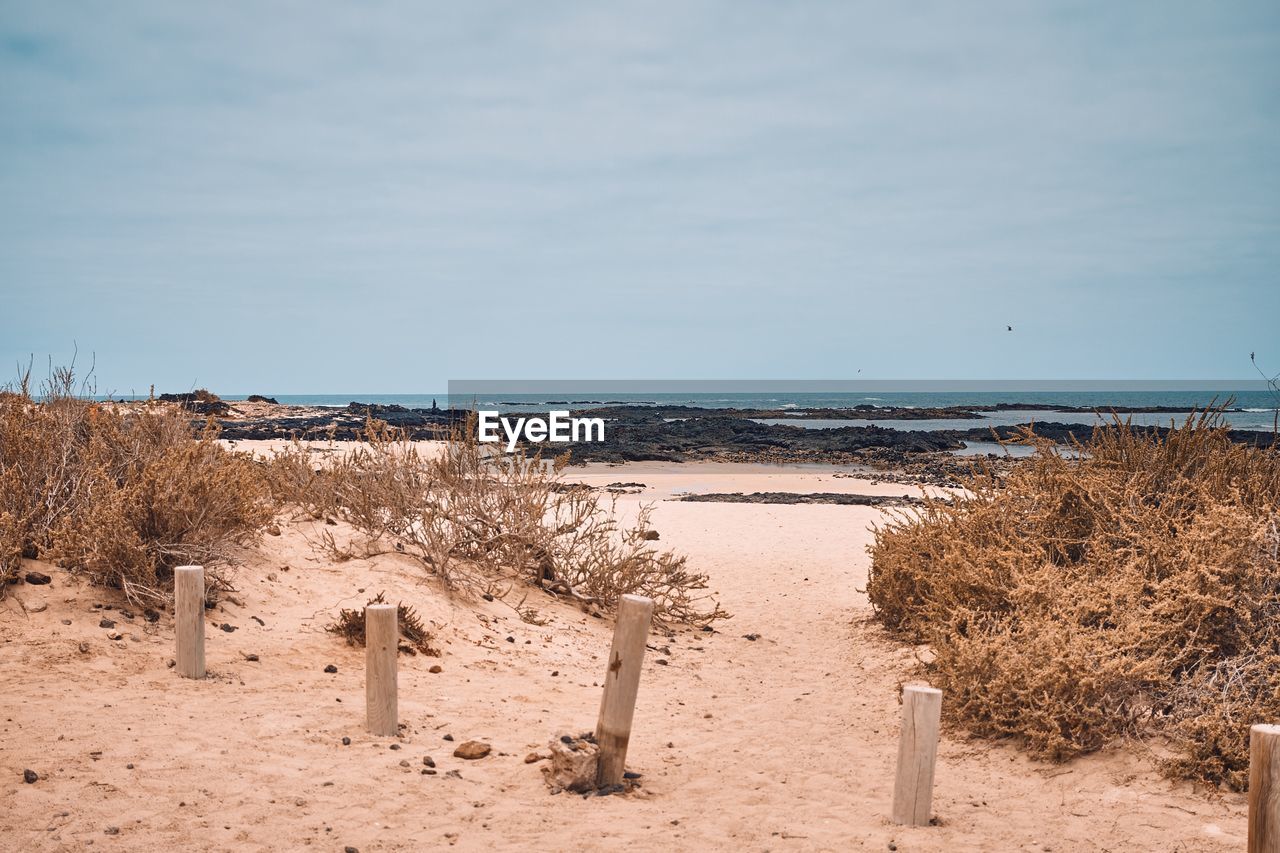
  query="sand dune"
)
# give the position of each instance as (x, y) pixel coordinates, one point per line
(785, 742)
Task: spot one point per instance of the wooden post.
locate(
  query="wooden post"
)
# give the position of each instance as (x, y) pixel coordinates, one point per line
(1264, 789)
(381, 642)
(188, 612)
(621, 683)
(917, 753)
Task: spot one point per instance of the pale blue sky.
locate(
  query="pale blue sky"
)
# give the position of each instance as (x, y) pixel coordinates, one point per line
(313, 197)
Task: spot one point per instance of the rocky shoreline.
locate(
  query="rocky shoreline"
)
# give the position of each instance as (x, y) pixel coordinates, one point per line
(636, 433)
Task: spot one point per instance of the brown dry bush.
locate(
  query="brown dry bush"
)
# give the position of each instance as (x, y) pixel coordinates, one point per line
(1134, 588)
(120, 494)
(474, 518)
(350, 625)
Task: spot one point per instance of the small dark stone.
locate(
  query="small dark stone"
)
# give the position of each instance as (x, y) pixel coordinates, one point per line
(128, 614)
(128, 767)
(630, 775)
(566, 739)
(395, 746)
(751, 637)
(661, 662)
(106, 623)
(511, 639)
(227, 627)
(112, 830)
(251, 658)
(428, 772)
(429, 761)
(151, 615)
(448, 737)
(37, 578)
(330, 668)
(487, 597)
(346, 741)
(30, 776)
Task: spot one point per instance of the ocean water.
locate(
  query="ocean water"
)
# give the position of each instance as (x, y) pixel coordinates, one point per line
(1252, 409)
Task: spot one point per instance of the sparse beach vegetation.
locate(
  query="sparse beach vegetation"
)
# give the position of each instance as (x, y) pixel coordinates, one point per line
(1130, 588)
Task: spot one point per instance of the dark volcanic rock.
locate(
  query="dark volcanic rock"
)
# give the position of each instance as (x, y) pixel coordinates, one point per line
(258, 398)
(201, 402)
(37, 578)
(840, 498)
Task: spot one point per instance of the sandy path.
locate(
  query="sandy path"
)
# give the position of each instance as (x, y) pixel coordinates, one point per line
(782, 743)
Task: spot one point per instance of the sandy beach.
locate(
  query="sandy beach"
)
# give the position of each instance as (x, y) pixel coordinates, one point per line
(782, 742)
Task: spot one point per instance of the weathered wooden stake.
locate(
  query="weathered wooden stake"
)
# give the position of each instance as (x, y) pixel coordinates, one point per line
(381, 641)
(621, 683)
(917, 753)
(1264, 789)
(188, 607)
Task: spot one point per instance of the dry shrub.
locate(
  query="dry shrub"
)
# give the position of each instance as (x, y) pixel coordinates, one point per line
(350, 625)
(122, 494)
(1135, 588)
(473, 517)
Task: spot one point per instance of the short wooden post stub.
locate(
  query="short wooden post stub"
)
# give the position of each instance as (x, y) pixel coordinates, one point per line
(917, 755)
(381, 642)
(1264, 789)
(621, 684)
(188, 607)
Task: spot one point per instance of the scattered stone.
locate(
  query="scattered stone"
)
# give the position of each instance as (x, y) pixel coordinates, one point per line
(395, 746)
(428, 772)
(662, 662)
(38, 607)
(404, 762)
(151, 615)
(436, 668)
(348, 848)
(128, 614)
(751, 637)
(330, 669)
(448, 737)
(252, 658)
(429, 761)
(128, 767)
(511, 639)
(112, 830)
(227, 627)
(30, 777)
(487, 596)
(346, 741)
(574, 764)
(554, 673)
(66, 621)
(454, 774)
(472, 750)
(106, 623)
(650, 536)
(37, 578)
(115, 635)
(84, 648)
(172, 663)
(534, 757)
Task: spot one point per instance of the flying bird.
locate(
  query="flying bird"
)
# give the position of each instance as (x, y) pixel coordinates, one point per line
(1010, 328)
